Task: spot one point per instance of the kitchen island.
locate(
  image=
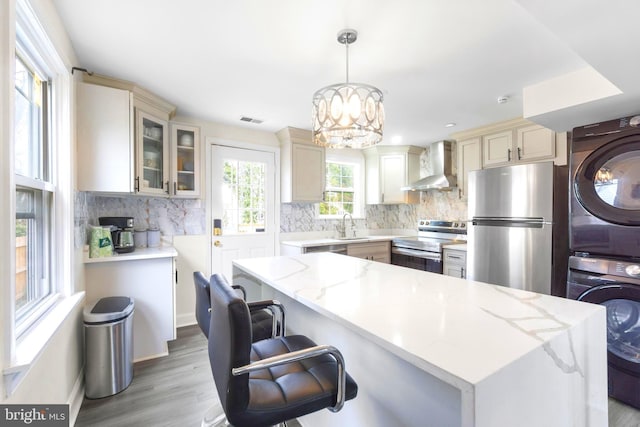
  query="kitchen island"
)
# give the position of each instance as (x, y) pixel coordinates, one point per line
(433, 350)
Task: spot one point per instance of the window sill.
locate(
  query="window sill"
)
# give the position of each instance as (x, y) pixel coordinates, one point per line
(30, 347)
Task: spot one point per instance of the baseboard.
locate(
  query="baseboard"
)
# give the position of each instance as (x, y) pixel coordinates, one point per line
(186, 319)
(75, 398)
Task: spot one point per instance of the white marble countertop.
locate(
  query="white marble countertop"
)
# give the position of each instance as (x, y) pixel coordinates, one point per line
(457, 330)
(456, 246)
(137, 254)
(306, 243)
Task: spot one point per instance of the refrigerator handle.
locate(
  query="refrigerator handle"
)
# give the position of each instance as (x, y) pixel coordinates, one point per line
(510, 222)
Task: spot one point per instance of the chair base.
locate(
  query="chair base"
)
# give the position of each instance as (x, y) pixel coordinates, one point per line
(215, 417)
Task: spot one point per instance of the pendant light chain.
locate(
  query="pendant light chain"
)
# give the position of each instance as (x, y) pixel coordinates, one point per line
(346, 44)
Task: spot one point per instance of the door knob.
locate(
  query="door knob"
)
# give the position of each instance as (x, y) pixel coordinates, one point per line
(217, 243)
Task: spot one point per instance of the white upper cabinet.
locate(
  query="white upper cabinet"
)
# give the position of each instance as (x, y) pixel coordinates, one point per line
(105, 154)
(127, 144)
(469, 159)
(497, 149)
(302, 163)
(152, 154)
(520, 145)
(535, 143)
(185, 160)
(506, 143)
(388, 169)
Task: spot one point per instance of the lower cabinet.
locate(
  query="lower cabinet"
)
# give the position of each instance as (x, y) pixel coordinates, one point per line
(455, 263)
(374, 251)
(151, 284)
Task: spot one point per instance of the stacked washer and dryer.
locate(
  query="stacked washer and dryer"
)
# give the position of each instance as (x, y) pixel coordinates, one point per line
(605, 241)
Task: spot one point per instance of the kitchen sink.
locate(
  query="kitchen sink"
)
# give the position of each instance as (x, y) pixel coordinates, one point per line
(352, 238)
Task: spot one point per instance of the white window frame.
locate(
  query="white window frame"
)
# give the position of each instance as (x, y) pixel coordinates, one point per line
(356, 158)
(19, 353)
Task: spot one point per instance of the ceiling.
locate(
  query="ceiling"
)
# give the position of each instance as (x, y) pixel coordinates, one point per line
(436, 61)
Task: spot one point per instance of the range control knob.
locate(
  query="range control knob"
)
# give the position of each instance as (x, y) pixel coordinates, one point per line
(633, 270)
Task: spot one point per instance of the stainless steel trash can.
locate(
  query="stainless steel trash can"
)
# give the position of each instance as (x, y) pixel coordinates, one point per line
(108, 344)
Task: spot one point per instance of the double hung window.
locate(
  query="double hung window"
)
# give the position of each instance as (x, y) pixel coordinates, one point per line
(34, 190)
(344, 185)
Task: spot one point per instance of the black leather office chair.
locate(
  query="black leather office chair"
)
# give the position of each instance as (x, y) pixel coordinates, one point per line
(262, 321)
(270, 381)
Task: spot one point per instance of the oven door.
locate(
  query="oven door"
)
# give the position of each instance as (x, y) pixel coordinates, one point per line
(622, 301)
(417, 259)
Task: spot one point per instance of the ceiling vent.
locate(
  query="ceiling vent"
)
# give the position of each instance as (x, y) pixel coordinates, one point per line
(251, 120)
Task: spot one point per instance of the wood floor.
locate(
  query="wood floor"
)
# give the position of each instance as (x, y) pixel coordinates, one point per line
(177, 390)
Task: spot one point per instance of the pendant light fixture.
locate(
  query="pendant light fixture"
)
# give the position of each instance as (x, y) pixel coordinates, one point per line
(347, 114)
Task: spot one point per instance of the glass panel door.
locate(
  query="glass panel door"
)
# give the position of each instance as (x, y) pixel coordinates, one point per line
(152, 154)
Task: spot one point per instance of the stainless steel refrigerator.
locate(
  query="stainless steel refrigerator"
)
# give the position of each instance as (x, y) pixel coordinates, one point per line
(518, 235)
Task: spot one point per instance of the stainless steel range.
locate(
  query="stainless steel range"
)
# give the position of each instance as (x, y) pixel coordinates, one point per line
(424, 251)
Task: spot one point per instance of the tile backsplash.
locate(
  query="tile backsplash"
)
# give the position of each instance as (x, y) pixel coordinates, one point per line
(187, 216)
(171, 216)
(301, 217)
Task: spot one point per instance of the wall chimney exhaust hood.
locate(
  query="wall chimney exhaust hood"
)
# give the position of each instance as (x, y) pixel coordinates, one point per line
(439, 169)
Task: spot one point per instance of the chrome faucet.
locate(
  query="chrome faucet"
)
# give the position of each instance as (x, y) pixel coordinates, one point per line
(342, 228)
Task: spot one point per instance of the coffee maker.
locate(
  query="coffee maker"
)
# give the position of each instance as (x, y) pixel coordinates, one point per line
(121, 232)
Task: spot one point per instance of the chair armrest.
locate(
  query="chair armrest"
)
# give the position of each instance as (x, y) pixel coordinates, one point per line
(296, 356)
(271, 305)
(241, 289)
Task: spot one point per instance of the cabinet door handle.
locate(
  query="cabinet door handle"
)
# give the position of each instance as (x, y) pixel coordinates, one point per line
(175, 188)
(167, 185)
(519, 156)
(382, 197)
(508, 154)
(137, 184)
(462, 272)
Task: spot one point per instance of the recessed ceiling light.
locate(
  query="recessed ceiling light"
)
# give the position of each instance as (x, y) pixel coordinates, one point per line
(397, 139)
(450, 125)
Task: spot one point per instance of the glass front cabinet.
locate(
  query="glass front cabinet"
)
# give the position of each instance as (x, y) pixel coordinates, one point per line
(152, 155)
(185, 162)
(168, 160)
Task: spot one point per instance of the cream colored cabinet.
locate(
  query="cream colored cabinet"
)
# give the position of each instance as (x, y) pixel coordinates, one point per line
(185, 160)
(469, 159)
(535, 143)
(506, 143)
(373, 251)
(152, 155)
(455, 263)
(388, 169)
(521, 145)
(105, 150)
(497, 149)
(302, 177)
(124, 144)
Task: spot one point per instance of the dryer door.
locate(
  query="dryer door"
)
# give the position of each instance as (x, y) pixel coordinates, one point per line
(607, 182)
(622, 301)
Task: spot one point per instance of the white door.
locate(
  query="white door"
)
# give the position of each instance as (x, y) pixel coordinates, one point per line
(242, 206)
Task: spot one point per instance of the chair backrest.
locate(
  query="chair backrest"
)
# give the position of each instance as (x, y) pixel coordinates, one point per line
(203, 302)
(230, 346)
